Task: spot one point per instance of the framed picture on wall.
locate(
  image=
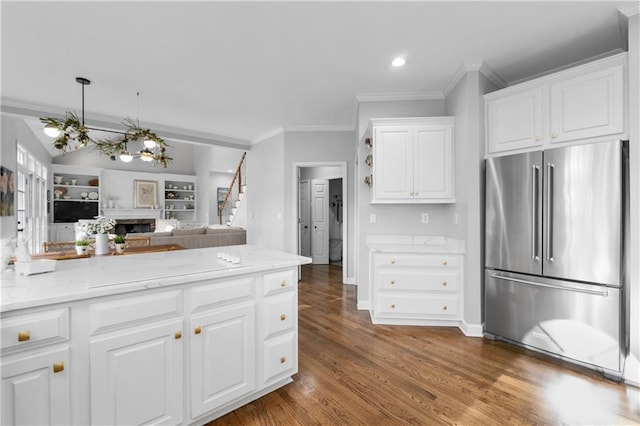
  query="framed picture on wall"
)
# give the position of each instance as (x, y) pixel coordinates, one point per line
(145, 194)
(222, 193)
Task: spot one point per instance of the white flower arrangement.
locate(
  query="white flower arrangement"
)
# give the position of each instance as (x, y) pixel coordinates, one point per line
(102, 225)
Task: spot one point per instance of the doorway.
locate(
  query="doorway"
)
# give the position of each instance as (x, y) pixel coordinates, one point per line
(320, 230)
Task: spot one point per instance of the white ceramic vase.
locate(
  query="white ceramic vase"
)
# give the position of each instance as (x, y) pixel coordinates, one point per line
(81, 250)
(102, 244)
(120, 248)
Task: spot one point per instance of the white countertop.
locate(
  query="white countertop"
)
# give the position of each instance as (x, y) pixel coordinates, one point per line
(107, 275)
(414, 244)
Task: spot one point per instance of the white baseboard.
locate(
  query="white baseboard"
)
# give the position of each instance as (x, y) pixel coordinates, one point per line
(350, 281)
(363, 305)
(471, 330)
(632, 371)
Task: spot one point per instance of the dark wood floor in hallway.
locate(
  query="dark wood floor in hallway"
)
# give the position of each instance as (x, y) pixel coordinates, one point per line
(354, 373)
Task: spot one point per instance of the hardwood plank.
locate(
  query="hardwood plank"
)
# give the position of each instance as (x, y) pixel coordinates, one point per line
(352, 372)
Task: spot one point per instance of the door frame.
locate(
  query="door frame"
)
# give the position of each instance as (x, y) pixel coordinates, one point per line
(295, 240)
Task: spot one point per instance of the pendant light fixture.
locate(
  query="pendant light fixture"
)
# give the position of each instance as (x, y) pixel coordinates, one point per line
(71, 133)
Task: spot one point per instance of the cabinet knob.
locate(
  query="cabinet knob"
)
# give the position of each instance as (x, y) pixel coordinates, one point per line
(23, 336)
(444, 283)
(283, 317)
(393, 262)
(554, 135)
(416, 193)
(177, 335)
(393, 306)
(392, 282)
(283, 283)
(58, 367)
(537, 138)
(197, 330)
(444, 308)
(444, 263)
(283, 359)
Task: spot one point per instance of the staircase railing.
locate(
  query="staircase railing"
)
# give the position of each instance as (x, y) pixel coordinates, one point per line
(237, 177)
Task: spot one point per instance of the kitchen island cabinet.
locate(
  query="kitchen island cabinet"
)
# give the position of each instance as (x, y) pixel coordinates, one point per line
(170, 338)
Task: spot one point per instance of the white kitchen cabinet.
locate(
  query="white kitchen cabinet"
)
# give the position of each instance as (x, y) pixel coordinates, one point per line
(416, 288)
(578, 105)
(413, 160)
(137, 375)
(35, 368)
(223, 356)
(35, 388)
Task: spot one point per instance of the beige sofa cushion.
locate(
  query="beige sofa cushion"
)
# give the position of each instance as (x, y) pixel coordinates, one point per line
(185, 232)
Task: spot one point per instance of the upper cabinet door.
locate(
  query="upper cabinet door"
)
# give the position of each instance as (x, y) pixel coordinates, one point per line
(515, 121)
(433, 164)
(588, 106)
(393, 163)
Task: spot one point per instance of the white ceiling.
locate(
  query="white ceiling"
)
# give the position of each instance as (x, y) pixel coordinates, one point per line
(237, 71)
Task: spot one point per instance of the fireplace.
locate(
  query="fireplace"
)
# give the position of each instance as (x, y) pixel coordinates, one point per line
(130, 226)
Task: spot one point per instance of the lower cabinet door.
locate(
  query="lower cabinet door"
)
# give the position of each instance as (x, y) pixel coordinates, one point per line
(280, 357)
(137, 375)
(222, 356)
(35, 389)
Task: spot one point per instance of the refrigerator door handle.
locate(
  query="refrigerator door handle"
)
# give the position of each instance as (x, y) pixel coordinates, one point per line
(603, 293)
(535, 171)
(549, 237)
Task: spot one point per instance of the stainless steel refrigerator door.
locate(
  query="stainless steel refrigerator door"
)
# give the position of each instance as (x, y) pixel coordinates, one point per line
(577, 321)
(513, 231)
(583, 224)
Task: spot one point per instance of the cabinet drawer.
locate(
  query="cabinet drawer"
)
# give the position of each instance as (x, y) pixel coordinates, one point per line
(276, 282)
(401, 259)
(417, 279)
(30, 329)
(279, 313)
(280, 357)
(221, 292)
(411, 304)
(132, 309)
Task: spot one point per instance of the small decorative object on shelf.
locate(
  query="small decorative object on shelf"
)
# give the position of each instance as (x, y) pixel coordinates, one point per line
(369, 160)
(368, 180)
(82, 246)
(368, 143)
(120, 242)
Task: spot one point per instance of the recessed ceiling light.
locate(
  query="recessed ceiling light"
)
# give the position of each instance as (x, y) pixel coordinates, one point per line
(399, 61)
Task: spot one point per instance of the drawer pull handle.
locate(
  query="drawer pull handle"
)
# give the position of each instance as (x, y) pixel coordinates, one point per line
(283, 317)
(444, 263)
(197, 330)
(444, 283)
(23, 336)
(283, 359)
(393, 262)
(554, 135)
(444, 308)
(58, 367)
(177, 335)
(392, 282)
(283, 283)
(393, 306)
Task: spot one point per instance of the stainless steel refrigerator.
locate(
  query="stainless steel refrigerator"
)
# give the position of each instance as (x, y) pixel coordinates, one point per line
(554, 251)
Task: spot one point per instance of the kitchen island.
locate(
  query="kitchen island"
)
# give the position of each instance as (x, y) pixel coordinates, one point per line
(178, 337)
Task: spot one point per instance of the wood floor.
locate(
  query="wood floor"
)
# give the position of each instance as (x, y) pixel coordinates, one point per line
(354, 373)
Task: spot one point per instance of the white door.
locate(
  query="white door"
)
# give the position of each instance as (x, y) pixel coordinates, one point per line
(304, 212)
(320, 221)
(136, 376)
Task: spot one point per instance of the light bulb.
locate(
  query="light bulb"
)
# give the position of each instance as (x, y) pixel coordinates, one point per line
(148, 143)
(399, 61)
(51, 130)
(146, 155)
(126, 157)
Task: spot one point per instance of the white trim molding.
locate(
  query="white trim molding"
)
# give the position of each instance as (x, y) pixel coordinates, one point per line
(399, 96)
(475, 65)
(630, 11)
(471, 330)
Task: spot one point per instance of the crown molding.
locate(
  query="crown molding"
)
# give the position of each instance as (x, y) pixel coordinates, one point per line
(320, 128)
(630, 11)
(399, 96)
(271, 133)
(475, 65)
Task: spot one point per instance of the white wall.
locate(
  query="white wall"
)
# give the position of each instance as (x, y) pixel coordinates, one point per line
(265, 193)
(391, 219)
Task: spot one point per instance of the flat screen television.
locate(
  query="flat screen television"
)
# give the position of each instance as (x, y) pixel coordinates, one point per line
(72, 211)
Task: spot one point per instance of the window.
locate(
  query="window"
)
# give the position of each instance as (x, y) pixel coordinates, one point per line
(31, 196)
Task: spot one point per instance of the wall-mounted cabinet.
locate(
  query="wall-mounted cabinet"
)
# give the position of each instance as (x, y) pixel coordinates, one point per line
(413, 160)
(583, 104)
